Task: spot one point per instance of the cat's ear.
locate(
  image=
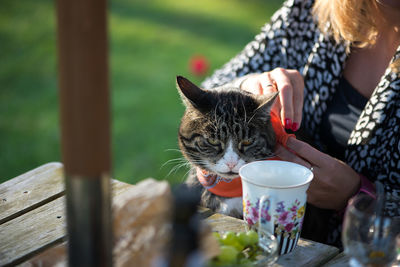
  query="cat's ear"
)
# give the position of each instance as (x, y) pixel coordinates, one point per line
(266, 102)
(191, 94)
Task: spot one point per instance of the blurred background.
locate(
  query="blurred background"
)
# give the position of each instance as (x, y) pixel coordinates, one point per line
(151, 41)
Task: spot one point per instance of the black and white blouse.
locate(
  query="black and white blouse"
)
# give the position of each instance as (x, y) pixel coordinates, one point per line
(292, 40)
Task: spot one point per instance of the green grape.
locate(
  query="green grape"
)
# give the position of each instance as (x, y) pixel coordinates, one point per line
(236, 244)
(217, 235)
(253, 236)
(239, 249)
(245, 263)
(229, 238)
(228, 254)
(243, 238)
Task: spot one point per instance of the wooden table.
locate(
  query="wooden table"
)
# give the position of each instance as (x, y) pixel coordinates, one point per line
(32, 220)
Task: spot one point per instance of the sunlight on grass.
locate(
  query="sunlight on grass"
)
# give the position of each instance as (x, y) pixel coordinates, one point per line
(150, 43)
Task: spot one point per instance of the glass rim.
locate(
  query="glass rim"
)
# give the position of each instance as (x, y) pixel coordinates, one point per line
(351, 207)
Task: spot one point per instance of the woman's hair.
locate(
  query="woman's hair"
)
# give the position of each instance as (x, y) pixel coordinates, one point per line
(349, 20)
(354, 21)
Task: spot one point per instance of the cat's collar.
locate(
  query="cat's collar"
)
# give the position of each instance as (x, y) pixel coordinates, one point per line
(220, 186)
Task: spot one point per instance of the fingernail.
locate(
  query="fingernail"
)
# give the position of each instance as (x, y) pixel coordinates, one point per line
(295, 126)
(288, 124)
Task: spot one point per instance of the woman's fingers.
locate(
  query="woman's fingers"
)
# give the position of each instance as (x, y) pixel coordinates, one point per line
(268, 86)
(291, 89)
(267, 83)
(285, 88)
(334, 181)
(298, 93)
(285, 154)
(307, 152)
(290, 85)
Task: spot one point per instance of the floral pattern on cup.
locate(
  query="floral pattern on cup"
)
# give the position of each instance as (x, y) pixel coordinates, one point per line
(251, 212)
(288, 219)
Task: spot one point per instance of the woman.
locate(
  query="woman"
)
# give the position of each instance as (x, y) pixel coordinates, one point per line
(336, 65)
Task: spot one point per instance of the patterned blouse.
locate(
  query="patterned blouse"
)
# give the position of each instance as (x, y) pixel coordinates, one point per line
(292, 40)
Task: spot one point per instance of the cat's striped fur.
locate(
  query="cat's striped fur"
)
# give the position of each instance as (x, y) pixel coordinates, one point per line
(221, 130)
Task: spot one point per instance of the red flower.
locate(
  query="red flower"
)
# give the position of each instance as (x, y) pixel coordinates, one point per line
(283, 217)
(198, 65)
(289, 227)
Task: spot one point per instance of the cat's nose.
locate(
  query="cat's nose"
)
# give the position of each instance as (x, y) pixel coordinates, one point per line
(231, 164)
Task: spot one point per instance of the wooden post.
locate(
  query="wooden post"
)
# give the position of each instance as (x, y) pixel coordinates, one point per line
(85, 128)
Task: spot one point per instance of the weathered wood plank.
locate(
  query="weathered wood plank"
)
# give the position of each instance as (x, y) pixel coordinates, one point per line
(129, 201)
(35, 221)
(30, 190)
(307, 253)
(341, 260)
(222, 223)
(33, 232)
(204, 212)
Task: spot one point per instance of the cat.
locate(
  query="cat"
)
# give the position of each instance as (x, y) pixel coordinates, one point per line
(221, 130)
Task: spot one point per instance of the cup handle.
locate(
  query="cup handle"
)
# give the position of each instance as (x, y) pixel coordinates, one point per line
(269, 203)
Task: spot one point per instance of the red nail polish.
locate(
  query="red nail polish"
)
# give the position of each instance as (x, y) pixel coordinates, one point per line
(288, 124)
(295, 126)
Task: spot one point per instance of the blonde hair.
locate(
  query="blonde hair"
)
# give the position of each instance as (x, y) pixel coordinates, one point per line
(354, 21)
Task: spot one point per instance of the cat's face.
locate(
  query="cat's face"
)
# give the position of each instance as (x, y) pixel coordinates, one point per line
(223, 129)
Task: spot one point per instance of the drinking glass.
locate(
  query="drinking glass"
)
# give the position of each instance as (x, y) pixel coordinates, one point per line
(369, 238)
(268, 243)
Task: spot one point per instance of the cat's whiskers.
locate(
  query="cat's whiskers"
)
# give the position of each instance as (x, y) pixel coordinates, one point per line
(173, 149)
(191, 154)
(217, 119)
(218, 122)
(251, 118)
(177, 167)
(196, 161)
(182, 162)
(215, 113)
(214, 125)
(186, 174)
(245, 112)
(171, 161)
(180, 152)
(199, 162)
(186, 164)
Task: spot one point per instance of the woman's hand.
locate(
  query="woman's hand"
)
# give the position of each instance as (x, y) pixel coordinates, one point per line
(334, 181)
(290, 85)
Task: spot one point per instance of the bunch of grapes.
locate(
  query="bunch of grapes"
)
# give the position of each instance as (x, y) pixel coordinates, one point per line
(239, 249)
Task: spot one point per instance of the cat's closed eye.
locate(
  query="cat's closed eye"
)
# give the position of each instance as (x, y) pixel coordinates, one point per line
(212, 141)
(246, 142)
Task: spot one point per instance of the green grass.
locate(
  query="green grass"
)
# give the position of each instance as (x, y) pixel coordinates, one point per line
(150, 43)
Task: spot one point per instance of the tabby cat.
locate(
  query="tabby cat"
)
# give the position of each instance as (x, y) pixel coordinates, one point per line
(221, 130)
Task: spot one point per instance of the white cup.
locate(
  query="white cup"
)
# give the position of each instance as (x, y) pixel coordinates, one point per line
(276, 190)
